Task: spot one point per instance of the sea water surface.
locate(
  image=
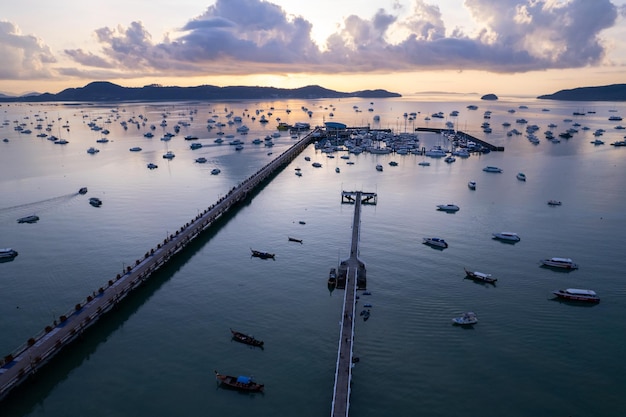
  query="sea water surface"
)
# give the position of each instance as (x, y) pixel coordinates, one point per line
(156, 354)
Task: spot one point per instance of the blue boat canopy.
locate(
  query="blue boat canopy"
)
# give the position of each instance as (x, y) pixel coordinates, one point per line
(335, 125)
(244, 379)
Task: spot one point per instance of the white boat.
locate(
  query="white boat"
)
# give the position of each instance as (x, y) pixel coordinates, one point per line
(7, 253)
(565, 263)
(448, 207)
(467, 319)
(436, 152)
(480, 276)
(508, 236)
(379, 167)
(578, 294)
(215, 171)
(471, 185)
(436, 242)
(521, 176)
(492, 169)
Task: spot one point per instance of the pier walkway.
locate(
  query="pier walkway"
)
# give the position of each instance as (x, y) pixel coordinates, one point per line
(352, 272)
(26, 360)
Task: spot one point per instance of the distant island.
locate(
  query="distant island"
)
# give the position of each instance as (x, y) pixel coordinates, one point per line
(490, 96)
(614, 92)
(103, 91)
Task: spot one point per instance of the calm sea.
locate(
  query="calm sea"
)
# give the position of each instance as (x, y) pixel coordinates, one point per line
(155, 355)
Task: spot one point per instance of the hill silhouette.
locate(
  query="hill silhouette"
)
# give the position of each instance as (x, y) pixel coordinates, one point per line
(613, 92)
(98, 91)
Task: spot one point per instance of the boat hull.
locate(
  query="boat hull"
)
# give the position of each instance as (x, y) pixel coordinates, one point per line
(576, 297)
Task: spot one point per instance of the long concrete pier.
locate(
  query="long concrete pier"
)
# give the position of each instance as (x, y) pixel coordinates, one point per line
(29, 358)
(352, 273)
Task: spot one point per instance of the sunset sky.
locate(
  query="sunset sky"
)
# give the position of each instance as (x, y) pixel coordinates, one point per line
(506, 47)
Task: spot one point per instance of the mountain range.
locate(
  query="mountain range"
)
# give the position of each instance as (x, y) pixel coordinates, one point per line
(99, 91)
(613, 92)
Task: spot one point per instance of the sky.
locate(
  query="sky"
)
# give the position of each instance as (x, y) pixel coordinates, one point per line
(505, 47)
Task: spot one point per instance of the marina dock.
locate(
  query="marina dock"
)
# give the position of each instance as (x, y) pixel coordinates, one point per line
(352, 276)
(19, 365)
(462, 135)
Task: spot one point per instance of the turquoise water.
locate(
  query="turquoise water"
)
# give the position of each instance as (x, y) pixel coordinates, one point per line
(155, 355)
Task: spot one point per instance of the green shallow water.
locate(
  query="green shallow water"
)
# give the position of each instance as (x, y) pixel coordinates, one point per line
(155, 355)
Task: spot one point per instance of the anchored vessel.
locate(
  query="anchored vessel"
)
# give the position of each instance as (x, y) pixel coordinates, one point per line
(565, 263)
(577, 294)
(247, 339)
(241, 383)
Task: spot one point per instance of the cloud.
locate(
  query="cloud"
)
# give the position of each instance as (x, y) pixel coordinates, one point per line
(23, 56)
(255, 36)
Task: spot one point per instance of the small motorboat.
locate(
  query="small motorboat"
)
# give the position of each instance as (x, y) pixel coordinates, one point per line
(262, 255)
(521, 176)
(480, 276)
(492, 169)
(135, 149)
(293, 239)
(365, 314)
(28, 219)
(152, 166)
(95, 201)
(556, 262)
(246, 339)
(241, 383)
(215, 171)
(507, 236)
(554, 203)
(467, 319)
(82, 191)
(424, 164)
(471, 185)
(435, 242)
(379, 167)
(201, 160)
(169, 155)
(448, 207)
(576, 294)
(7, 253)
(332, 279)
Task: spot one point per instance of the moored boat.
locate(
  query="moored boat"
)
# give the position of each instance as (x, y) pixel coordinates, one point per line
(492, 169)
(556, 262)
(480, 276)
(577, 294)
(262, 255)
(436, 242)
(293, 239)
(242, 383)
(554, 203)
(7, 253)
(28, 219)
(508, 236)
(95, 201)
(467, 319)
(521, 176)
(448, 207)
(245, 338)
(82, 191)
(332, 279)
(471, 185)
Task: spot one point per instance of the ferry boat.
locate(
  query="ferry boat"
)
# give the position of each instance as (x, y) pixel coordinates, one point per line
(241, 383)
(565, 263)
(508, 236)
(435, 241)
(577, 294)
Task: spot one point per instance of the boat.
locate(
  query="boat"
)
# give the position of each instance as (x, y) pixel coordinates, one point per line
(448, 207)
(135, 149)
(521, 176)
(365, 314)
(337, 170)
(201, 160)
(471, 185)
(7, 253)
(467, 319)
(241, 383)
(215, 171)
(554, 203)
(316, 164)
(247, 339)
(95, 201)
(449, 159)
(379, 167)
(508, 236)
(332, 279)
(577, 294)
(195, 146)
(492, 169)
(565, 263)
(152, 166)
(435, 241)
(262, 255)
(82, 191)
(480, 276)
(28, 219)
(92, 150)
(293, 239)
(393, 163)
(424, 163)
(169, 155)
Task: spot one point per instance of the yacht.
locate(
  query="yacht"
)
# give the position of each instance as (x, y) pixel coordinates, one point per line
(577, 294)
(492, 169)
(448, 207)
(565, 263)
(435, 241)
(508, 236)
